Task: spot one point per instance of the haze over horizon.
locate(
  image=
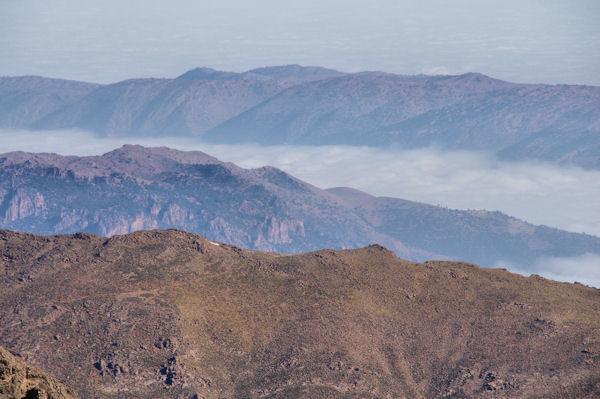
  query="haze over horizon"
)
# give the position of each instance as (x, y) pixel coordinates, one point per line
(108, 41)
(321, 198)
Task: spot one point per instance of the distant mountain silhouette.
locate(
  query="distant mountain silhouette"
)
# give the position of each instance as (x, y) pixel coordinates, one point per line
(25, 100)
(311, 105)
(182, 106)
(472, 111)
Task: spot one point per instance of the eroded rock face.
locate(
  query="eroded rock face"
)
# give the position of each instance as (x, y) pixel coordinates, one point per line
(19, 380)
(23, 203)
(168, 314)
(274, 231)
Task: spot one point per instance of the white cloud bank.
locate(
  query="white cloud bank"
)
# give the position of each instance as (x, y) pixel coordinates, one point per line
(540, 193)
(584, 269)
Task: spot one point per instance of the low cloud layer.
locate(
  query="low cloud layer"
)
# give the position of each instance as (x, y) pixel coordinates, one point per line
(584, 269)
(540, 193)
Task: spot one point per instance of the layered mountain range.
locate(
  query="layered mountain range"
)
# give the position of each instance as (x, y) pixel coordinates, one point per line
(311, 105)
(169, 314)
(135, 188)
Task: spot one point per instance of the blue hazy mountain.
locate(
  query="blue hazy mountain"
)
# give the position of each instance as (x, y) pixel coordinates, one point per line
(312, 105)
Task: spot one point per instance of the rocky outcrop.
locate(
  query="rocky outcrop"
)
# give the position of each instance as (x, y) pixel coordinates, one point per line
(21, 381)
(274, 231)
(22, 204)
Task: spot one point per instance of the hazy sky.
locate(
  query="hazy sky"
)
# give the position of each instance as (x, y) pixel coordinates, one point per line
(109, 40)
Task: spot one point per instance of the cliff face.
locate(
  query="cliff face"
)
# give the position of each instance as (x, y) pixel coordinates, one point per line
(168, 314)
(20, 381)
(136, 188)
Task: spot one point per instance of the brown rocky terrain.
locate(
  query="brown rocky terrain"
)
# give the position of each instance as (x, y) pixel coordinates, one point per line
(169, 314)
(20, 381)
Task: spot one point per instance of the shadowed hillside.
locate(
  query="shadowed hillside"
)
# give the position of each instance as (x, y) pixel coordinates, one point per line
(164, 314)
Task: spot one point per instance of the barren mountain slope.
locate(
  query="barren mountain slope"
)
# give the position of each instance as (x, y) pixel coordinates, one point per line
(26, 99)
(164, 314)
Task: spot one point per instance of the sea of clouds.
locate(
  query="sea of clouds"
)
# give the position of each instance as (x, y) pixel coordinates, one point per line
(566, 197)
(584, 269)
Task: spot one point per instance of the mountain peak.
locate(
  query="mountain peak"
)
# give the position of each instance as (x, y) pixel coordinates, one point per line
(479, 79)
(295, 73)
(204, 73)
(139, 160)
(291, 74)
(136, 149)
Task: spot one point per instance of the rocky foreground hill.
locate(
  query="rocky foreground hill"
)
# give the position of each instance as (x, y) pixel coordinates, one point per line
(134, 188)
(169, 314)
(18, 380)
(311, 105)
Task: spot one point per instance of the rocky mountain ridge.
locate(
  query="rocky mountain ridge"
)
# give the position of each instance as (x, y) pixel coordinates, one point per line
(135, 188)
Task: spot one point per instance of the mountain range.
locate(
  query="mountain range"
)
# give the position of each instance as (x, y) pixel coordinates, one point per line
(312, 105)
(136, 188)
(169, 314)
